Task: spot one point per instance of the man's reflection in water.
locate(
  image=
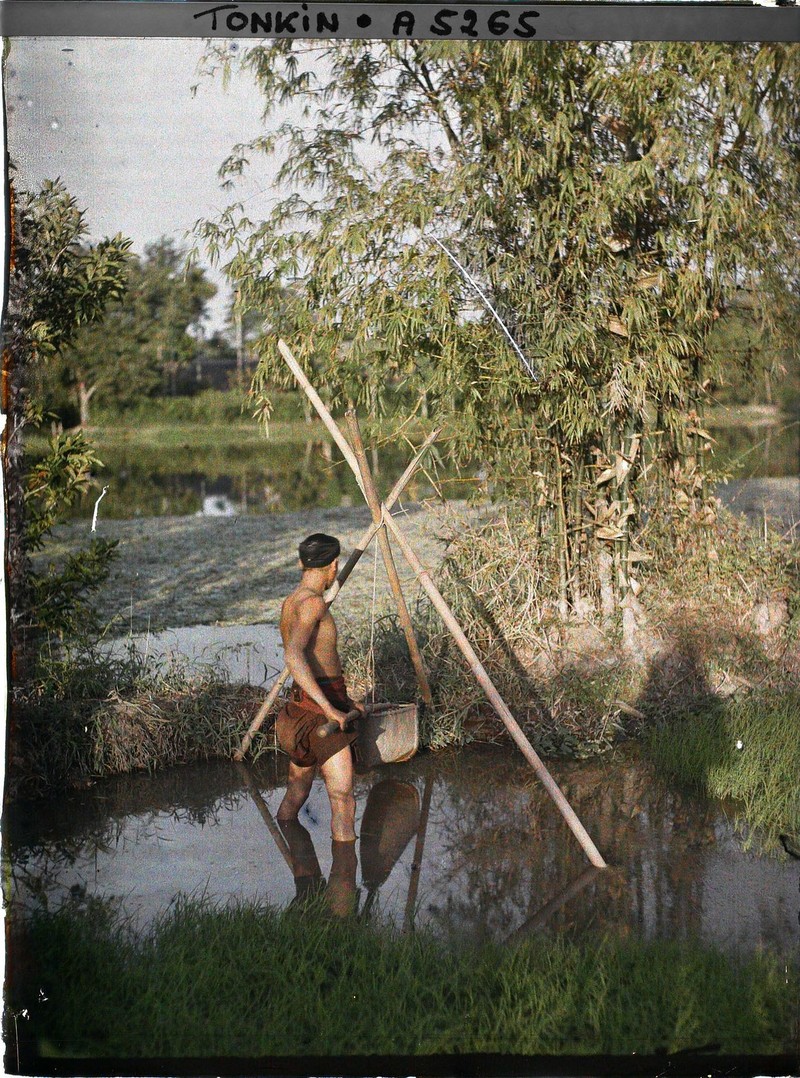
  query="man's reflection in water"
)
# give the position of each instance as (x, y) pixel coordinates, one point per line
(340, 892)
(342, 895)
(390, 821)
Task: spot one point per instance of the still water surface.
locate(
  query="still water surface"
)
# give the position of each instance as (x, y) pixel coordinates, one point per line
(277, 477)
(464, 843)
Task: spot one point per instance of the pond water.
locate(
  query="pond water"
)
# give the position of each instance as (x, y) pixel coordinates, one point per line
(255, 477)
(278, 477)
(466, 844)
(245, 654)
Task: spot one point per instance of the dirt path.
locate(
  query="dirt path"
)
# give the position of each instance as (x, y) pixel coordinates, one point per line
(175, 571)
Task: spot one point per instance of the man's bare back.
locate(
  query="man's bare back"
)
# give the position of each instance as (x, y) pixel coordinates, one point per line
(321, 649)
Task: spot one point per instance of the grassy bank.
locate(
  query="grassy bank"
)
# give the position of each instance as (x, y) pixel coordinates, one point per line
(86, 716)
(748, 750)
(250, 981)
(707, 655)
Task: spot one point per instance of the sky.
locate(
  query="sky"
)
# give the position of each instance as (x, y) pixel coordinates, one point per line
(115, 119)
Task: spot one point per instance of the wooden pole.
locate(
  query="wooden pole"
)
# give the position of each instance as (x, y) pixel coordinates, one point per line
(266, 815)
(456, 631)
(344, 573)
(323, 412)
(419, 849)
(388, 560)
(496, 700)
(542, 916)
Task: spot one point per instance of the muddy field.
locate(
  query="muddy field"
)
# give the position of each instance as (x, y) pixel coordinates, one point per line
(190, 570)
(174, 571)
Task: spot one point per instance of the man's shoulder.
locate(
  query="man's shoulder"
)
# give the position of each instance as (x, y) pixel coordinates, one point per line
(308, 604)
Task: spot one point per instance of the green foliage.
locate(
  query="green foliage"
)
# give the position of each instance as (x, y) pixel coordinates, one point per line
(211, 407)
(703, 753)
(58, 286)
(145, 336)
(612, 198)
(750, 363)
(55, 482)
(248, 981)
(58, 283)
(59, 599)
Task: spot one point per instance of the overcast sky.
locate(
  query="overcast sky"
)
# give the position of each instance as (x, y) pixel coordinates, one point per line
(115, 119)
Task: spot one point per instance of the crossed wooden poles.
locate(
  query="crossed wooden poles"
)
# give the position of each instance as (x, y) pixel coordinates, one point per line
(382, 523)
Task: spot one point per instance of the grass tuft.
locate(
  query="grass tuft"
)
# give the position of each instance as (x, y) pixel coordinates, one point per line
(700, 751)
(87, 715)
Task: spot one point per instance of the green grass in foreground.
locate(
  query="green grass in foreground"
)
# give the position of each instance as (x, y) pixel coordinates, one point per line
(251, 981)
(701, 752)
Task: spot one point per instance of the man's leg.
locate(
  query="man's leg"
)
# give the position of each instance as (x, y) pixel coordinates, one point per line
(338, 775)
(297, 790)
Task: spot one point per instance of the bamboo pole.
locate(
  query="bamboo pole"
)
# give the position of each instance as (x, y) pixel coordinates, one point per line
(419, 849)
(388, 560)
(543, 915)
(266, 815)
(261, 714)
(322, 411)
(456, 631)
(496, 700)
(337, 586)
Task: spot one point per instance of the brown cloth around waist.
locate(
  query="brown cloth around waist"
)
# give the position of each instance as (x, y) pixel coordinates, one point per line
(335, 692)
(300, 719)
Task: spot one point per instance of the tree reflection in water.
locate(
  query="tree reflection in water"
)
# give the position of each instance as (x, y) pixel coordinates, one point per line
(465, 844)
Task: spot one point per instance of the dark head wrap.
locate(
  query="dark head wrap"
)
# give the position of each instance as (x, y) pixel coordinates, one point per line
(319, 550)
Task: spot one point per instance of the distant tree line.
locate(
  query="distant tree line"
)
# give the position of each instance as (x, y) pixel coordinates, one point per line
(150, 337)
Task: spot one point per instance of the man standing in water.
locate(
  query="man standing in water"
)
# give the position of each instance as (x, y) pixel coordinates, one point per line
(319, 695)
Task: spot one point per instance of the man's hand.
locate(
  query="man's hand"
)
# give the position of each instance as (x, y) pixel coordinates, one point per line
(339, 721)
(340, 717)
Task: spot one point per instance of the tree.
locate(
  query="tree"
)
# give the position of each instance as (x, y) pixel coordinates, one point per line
(147, 336)
(765, 368)
(610, 197)
(57, 285)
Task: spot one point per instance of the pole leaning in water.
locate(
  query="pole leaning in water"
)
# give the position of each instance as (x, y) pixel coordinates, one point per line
(497, 702)
(495, 699)
(344, 573)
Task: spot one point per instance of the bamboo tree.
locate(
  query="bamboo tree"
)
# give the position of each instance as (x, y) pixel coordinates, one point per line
(609, 197)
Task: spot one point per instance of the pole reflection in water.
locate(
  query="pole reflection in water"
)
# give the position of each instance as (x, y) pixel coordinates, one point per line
(542, 916)
(461, 845)
(419, 849)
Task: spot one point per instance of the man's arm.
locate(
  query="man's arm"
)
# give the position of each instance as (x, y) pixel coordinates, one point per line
(309, 614)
